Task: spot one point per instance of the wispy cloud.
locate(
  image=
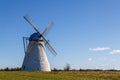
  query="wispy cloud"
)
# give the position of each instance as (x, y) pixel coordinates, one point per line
(115, 52)
(90, 59)
(99, 49)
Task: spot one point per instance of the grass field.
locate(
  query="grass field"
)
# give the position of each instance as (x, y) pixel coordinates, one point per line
(60, 75)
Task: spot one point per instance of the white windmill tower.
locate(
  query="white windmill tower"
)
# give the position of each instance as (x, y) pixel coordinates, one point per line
(35, 53)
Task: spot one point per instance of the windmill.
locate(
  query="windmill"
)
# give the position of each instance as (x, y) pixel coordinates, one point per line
(35, 49)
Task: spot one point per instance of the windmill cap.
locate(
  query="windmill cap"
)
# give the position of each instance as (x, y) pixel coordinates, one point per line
(34, 37)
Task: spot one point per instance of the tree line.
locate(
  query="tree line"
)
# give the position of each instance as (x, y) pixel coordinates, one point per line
(11, 69)
(67, 67)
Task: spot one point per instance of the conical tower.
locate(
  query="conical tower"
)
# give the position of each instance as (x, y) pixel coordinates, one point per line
(35, 56)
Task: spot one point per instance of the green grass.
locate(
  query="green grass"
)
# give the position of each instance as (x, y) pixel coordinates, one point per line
(60, 75)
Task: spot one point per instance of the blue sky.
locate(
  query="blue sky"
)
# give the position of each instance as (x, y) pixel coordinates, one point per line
(85, 32)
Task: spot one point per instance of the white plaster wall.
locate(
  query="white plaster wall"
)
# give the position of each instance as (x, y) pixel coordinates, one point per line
(36, 58)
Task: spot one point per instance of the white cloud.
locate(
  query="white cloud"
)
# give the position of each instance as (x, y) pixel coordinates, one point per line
(90, 59)
(115, 52)
(99, 49)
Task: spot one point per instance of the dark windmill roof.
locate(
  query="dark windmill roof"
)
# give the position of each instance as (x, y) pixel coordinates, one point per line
(34, 37)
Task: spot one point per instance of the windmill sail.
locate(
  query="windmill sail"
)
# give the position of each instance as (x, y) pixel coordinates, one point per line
(50, 24)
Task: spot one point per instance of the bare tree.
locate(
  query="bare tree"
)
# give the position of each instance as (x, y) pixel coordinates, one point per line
(67, 67)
